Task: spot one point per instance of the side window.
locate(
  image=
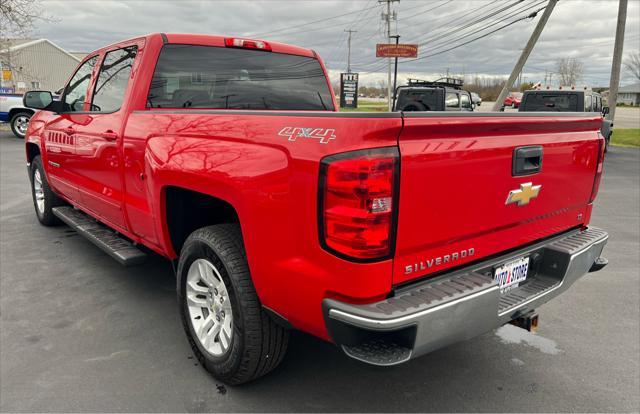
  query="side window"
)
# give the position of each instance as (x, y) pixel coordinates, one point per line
(587, 103)
(113, 79)
(597, 106)
(466, 102)
(452, 101)
(76, 91)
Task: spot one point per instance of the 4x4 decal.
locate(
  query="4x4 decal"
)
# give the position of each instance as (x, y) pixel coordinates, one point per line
(321, 134)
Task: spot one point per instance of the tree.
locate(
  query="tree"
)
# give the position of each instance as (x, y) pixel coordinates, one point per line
(569, 71)
(18, 17)
(632, 64)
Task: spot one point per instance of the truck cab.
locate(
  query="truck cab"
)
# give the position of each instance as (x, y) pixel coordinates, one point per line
(445, 94)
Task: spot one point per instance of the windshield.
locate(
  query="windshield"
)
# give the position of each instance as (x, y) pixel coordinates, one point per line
(188, 76)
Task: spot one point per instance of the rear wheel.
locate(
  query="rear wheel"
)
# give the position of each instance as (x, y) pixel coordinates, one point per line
(44, 199)
(20, 123)
(607, 142)
(229, 332)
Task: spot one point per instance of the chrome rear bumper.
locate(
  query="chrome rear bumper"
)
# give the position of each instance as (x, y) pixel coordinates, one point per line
(460, 305)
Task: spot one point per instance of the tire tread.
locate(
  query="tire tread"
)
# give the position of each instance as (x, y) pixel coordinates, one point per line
(265, 342)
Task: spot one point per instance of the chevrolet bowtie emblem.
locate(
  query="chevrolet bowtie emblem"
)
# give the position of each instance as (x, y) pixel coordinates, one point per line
(526, 193)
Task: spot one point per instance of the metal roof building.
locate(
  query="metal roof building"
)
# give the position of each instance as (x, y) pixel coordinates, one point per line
(34, 64)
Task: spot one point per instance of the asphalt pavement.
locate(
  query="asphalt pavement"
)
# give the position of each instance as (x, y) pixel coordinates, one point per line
(78, 332)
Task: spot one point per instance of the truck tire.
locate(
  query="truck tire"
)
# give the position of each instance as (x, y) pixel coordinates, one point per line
(607, 142)
(19, 123)
(44, 199)
(229, 332)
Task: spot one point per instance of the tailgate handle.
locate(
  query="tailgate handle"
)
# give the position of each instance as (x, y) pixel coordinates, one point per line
(526, 160)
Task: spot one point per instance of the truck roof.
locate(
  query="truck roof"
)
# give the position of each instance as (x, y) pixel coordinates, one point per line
(216, 40)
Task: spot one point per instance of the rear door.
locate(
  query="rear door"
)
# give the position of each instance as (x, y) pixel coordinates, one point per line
(457, 174)
(99, 137)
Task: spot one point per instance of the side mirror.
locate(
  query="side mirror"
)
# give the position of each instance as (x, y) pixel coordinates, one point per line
(605, 110)
(37, 99)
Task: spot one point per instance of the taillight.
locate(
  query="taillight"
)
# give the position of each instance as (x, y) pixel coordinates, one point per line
(596, 180)
(247, 43)
(358, 197)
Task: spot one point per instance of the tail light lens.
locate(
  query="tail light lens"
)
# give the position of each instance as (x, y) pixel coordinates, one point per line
(358, 203)
(247, 43)
(596, 181)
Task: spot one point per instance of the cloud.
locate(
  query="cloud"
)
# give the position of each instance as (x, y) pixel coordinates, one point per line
(580, 29)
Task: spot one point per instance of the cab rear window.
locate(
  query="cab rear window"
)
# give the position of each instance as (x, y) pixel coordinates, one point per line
(564, 102)
(189, 76)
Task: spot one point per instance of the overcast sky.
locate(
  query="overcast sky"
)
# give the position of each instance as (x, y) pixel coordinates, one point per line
(578, 29)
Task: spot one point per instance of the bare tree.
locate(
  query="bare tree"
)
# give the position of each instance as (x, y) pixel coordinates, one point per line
(18, 17)
(569, 71)
(632, 64)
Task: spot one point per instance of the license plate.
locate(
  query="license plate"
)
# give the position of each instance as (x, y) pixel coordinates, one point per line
(510, 274)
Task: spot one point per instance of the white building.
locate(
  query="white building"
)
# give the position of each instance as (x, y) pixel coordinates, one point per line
(34, 64)
(630, 94)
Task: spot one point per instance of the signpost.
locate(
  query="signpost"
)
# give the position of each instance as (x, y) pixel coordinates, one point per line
(348, 90)
(397, 50)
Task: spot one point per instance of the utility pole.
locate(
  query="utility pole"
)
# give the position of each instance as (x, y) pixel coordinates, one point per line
(349, 50)
(617, 59)
(388, 17)
(525, 54)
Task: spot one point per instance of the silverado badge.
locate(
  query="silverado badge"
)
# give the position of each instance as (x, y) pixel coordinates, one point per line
(526, 193)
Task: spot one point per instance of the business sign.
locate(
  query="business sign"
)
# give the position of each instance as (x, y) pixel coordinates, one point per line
(348, 90)
(7, 91)
(388, 50)
(6, 75)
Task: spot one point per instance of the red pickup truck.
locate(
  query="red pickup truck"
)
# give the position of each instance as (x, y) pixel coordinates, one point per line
(389, 234)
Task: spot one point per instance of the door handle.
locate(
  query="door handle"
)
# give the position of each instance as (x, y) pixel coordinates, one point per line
(109, 135)
(526, 160)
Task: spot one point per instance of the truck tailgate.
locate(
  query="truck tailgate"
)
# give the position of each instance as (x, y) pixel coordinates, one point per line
(456, 177)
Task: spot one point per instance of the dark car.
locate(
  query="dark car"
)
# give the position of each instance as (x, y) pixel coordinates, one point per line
(568, 99)
(444, 94)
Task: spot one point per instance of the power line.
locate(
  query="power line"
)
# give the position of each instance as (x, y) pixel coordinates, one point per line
(469, 24)
(286, 29)
(360, 19)
(491, 24)
(448, 20)
(531, 15)
(449, 17)
(425, 11)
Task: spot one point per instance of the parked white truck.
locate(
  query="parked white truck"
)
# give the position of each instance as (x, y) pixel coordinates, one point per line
(13, 111)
